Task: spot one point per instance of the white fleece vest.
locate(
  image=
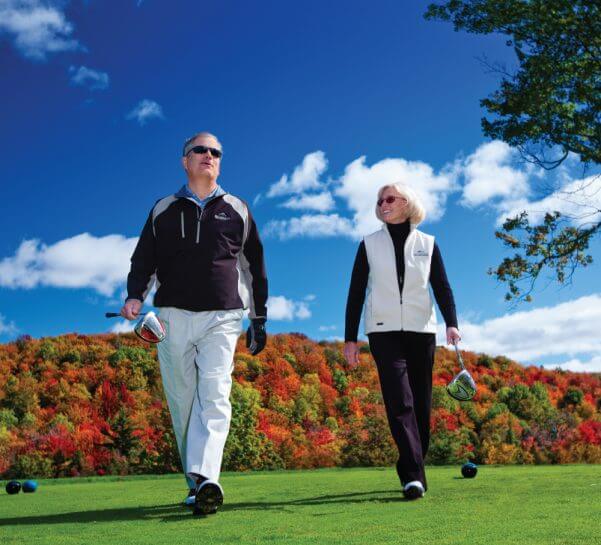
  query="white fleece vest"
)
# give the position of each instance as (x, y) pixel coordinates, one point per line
(385, 308)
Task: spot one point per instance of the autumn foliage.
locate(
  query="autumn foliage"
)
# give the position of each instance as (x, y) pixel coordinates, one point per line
(84, 405)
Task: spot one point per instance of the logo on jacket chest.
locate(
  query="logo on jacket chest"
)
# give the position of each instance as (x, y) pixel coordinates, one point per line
(420, 253)
(222, 216)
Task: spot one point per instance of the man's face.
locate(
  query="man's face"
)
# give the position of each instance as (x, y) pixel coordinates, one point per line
(202, 164)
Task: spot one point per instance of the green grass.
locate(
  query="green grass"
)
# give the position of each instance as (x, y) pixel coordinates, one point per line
(502, 505)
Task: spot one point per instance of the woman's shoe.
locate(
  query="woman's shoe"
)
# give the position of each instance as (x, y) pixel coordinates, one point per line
(414, 490)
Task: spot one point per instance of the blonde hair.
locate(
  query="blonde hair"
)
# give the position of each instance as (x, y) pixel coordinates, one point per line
(416, 212)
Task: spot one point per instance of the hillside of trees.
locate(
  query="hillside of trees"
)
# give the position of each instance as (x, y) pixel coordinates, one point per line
(93, 405)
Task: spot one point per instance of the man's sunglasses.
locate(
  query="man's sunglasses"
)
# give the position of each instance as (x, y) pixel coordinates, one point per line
(388, 200)
(217, 153)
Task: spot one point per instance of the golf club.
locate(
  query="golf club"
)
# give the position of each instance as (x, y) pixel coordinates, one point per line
(117, 314)
(149, 328)
(462, 387)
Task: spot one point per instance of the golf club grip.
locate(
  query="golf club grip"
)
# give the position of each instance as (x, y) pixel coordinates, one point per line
(112, 315)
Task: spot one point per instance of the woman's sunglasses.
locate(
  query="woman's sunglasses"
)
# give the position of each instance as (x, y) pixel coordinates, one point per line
(388, 200)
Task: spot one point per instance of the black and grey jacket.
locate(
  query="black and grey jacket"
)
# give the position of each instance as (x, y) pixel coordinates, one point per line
(201, 259)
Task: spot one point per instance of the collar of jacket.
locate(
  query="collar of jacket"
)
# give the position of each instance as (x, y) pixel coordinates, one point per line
(184, 193)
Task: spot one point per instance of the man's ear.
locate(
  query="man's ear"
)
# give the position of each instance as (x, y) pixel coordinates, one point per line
(185, 162)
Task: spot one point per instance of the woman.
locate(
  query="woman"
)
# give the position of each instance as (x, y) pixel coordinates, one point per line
(393, 269)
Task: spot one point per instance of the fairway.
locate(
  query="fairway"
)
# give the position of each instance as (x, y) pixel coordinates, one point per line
(510, 504)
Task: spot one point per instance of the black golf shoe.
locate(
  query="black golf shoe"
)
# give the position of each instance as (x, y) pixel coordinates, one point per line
(413, 490)
(209, 497)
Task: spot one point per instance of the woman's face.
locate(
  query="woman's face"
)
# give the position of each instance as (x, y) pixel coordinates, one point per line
(395, 211)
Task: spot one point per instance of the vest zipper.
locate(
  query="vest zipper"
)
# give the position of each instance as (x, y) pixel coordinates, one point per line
(402, 281)
(182, 223)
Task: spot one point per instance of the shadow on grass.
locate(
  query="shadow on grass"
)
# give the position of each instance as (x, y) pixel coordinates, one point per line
(174, 512)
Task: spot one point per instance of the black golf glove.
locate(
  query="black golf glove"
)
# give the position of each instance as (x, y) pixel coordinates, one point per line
(256, 336)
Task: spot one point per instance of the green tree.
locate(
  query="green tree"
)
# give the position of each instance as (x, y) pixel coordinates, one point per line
(551, 102)
(246, 448)
(572, 398)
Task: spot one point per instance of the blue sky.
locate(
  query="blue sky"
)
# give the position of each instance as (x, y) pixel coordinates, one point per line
(317, 105)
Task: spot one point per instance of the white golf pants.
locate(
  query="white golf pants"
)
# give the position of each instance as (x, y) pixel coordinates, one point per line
(197, 360)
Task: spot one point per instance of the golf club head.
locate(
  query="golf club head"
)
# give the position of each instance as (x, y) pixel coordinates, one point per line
(150, 328)
(462, 387)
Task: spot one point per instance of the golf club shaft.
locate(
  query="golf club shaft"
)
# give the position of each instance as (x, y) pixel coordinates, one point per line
(117, 315)
(459, 358)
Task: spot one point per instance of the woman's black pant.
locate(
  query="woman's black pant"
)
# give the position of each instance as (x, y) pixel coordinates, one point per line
(405, 360)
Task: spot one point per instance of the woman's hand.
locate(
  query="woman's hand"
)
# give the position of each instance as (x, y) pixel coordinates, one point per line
(351, 353)
(453, 336)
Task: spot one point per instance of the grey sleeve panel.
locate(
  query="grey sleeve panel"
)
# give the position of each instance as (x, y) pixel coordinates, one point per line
(244, 275)
(245, 283)
(160, 207)
(151, 283)
(239, 206)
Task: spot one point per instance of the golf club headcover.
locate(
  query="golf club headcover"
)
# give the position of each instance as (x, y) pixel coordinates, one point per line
(256, 336)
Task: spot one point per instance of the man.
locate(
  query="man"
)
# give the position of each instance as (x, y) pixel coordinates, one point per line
(202, 247)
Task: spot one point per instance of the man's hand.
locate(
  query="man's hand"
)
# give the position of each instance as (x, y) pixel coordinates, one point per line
(351, 353)
(256, 336)
(453, 336)
(131, 309)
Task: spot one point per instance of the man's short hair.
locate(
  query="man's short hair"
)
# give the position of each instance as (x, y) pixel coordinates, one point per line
(188, 143)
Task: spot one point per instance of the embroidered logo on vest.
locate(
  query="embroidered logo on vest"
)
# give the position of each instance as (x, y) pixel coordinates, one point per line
(222, 216)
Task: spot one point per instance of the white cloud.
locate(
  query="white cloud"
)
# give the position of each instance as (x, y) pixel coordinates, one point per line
(83, 261)
(124, 326)
(360, 183)
(7, 328)
(327, 328)
(568, 329)
(496, 176)
(490, 173)
(314, 226)
(358, 188)
(146, 110)
(281, 308)
(37, 28)
(577, 200)
(321, 202)
(310, 297)
(87, 77)
(578, 366)
(305, 176)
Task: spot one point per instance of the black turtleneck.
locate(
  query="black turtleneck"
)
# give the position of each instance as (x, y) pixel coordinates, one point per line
(438, 280)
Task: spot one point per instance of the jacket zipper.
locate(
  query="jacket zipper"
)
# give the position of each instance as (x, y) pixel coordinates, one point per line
(182, 224)
(198, 218)
(199, 213)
